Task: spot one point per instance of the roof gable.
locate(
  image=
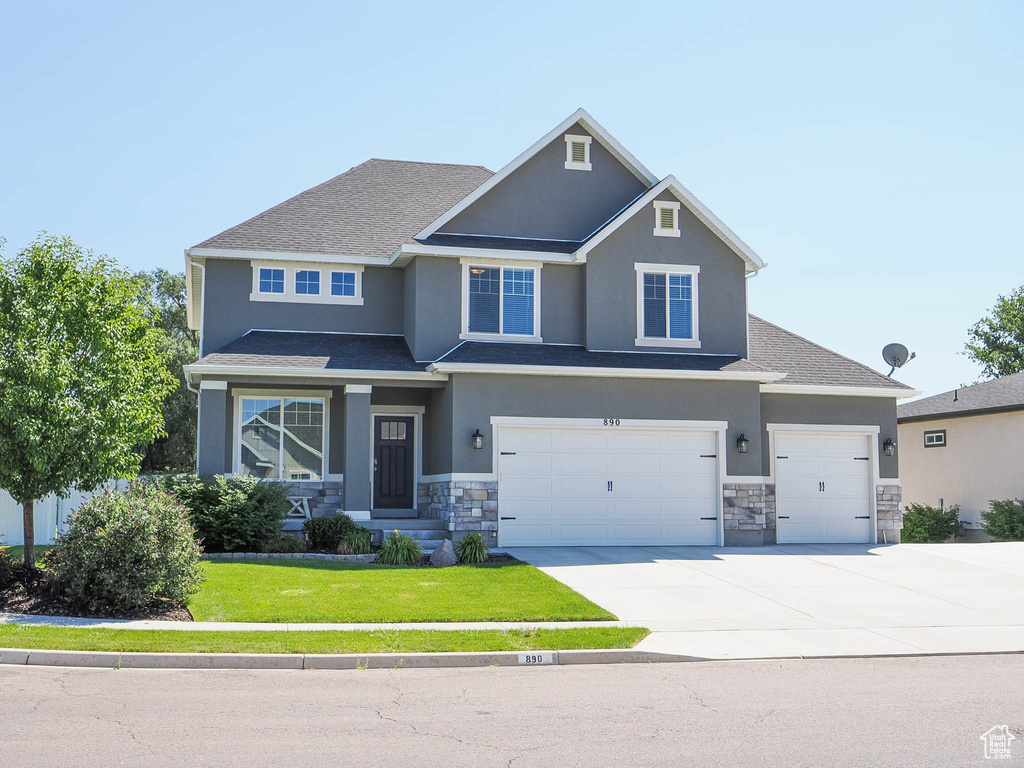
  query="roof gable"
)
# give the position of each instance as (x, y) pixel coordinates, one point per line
(695, 206)
(1003, 394)
(579, 122)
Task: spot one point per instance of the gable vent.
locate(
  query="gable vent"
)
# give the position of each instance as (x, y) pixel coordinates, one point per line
(579, 152)
(668, 218)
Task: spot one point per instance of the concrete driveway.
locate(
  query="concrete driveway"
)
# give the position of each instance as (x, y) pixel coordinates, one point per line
(804, 600)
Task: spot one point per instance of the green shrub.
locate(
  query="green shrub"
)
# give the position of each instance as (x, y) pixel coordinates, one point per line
(1005, 520)
(122, 550)
(400, 549)
(284, 542)
(355, 542)
(231, 514)
(922, 524)
(327, 532)
(6, 569)
(471, 548)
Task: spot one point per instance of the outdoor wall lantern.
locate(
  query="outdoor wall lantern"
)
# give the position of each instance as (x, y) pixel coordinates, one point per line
(889, 447)
(742, 444)
(477, 439)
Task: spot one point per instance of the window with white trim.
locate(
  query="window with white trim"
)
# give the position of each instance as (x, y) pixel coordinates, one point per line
(281, 437)
(935, 439)
(666, 296)
(307, 283)
(577, 152)
(501, 301)
(666, 218)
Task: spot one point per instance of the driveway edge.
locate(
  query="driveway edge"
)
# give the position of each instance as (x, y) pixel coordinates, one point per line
(115, 660)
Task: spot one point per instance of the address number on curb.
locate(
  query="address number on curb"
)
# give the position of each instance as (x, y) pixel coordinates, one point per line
(536, 659)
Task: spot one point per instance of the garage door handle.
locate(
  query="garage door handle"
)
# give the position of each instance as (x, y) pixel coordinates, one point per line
(508, 453)
(508, 518)
(709, 518)
(861, 458)
(709, 455)
(862, 517)
(782, 457)
(783, 517)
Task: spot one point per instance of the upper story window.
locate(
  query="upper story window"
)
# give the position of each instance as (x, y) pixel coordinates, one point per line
(666, 300)
(666, 218)
(307, 283)
(577, 152)
(271, 280)
(501, 302)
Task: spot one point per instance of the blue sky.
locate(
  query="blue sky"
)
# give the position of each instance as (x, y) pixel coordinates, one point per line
(870, 152)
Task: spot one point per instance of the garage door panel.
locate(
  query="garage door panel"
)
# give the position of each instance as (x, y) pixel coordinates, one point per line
(557, 487)
(846, 466)
(854, 445)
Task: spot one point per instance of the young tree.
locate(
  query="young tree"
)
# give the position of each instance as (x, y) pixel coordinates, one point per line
(82, 374)
(997, 340)
(165, 293)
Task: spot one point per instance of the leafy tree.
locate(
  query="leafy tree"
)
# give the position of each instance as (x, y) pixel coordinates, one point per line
(164, 292)
(996, 341)
(82, 374)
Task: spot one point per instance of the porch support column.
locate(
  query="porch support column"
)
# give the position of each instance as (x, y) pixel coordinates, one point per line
(358, 451)
(213, 441)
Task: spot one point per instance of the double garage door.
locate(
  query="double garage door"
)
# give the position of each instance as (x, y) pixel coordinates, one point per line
(607, 486)
(624, 486)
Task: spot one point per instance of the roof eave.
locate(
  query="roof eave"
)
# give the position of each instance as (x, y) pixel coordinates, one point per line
(605, 372)
(196, 372)
(959, 414)
(837, 390)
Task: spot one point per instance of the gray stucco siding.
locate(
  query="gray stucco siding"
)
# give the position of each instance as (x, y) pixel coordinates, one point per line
(826, 409)
(542, 199)
(228, 312)
(478, 397)
(611, 293)
(433, 294)
(563, 303)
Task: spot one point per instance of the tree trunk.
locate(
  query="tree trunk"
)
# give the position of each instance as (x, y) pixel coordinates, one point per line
(30, 534)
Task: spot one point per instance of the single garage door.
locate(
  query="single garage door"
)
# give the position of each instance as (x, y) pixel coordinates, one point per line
(823, 488)
(612, 486)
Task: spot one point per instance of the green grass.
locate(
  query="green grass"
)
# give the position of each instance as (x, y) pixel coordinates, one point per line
(320, 591)
(384, 641)
(17, 552)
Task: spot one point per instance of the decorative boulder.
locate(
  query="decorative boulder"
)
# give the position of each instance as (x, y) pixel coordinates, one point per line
(444, 555)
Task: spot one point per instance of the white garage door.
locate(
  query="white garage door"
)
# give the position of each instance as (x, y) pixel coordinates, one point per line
(823, 488)
(615, 486)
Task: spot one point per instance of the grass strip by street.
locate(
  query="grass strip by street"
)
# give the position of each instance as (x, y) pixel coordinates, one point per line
(300, 591)
(376, 641)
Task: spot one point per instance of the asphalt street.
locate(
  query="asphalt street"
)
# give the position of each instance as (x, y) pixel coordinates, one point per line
(849, 712)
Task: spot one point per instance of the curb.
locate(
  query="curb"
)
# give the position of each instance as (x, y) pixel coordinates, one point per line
(115, 660)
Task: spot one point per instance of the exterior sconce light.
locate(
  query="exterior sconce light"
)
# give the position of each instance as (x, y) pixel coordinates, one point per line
(742, 444)
(889, 447)
(477, 439)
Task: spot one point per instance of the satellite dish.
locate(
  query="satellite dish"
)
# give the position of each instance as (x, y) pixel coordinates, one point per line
(897, 356)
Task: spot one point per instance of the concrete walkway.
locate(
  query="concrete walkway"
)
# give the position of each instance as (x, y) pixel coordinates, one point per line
(808, 600)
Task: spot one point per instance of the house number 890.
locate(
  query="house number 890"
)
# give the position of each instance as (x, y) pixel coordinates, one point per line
(611, 422)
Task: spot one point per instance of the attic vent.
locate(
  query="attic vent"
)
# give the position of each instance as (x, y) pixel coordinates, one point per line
(666, 219)
(577, 153)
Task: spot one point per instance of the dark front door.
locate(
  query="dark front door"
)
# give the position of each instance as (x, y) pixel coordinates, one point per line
(393, 462)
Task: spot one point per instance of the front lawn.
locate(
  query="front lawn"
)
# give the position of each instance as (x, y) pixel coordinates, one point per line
(320, 591)
(383, 641)
(17, 552)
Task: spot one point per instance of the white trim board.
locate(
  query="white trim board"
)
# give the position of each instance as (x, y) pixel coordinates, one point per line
(467, 335)
(628, 373)
(837, 391)
(580, 116)
(280, 394)
(193, 371)
(695, 206)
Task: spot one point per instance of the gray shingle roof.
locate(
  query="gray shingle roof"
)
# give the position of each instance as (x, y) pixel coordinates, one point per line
(1006, 393)
(496, 353)
(776, 349)
(369, 210)
(324, 351)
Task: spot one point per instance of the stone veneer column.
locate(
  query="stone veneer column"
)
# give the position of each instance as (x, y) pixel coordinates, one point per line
(466, 506)
(749, 511)
(888, 505)
(358, 450)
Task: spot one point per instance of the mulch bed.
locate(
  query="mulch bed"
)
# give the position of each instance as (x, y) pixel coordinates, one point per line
(31, 594)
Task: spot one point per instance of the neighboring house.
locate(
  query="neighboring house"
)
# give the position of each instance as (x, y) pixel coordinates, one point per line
(963, 447)
(559, 353)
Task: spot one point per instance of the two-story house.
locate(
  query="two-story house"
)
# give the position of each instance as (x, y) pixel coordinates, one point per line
(559, 353)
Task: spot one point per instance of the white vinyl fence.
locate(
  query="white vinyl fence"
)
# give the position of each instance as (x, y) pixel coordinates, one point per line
(51, 516)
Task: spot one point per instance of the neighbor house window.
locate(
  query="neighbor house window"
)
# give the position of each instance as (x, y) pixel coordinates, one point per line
(667, 305)
(666, 219)
(343, 283)
(307, 283)
(281, 438)
(271, 280)
(577, 153)
(935, 439)
(501, 301)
